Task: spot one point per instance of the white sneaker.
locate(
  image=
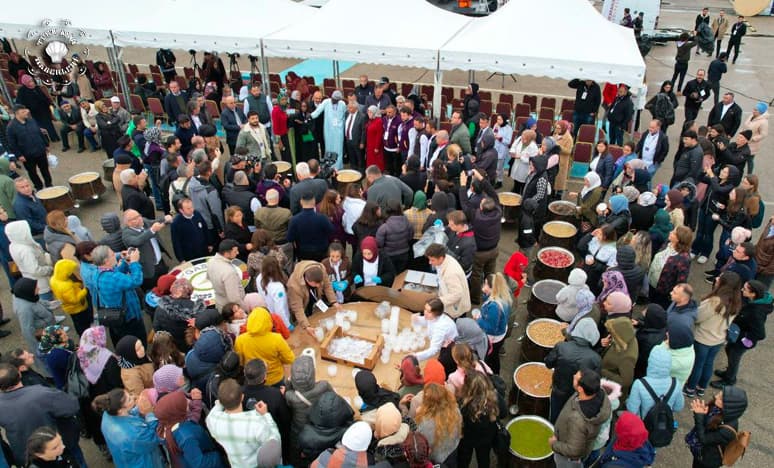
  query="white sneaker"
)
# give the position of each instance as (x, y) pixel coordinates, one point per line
(693, 255)
(702, 259)
(59, 318)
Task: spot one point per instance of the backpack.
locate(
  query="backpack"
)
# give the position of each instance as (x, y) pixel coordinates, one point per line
(179, 193)
(660, 421)
(736, 448)
(757, 220)
(499, 385)
(663, 109)
(76, 384)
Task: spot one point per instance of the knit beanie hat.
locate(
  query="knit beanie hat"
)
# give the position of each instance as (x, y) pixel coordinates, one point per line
(434, 372)
(761, 107)
(358, 437)
(110, 223)
(747, 134)
(630, 432)
(167, 378)
(740, 234)
(163, 285)
(388, 421)
(618, 303)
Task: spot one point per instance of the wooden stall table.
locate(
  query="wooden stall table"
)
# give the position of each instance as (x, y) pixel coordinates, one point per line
(367, 326)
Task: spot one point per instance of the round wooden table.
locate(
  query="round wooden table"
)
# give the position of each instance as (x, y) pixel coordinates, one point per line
(368, 326)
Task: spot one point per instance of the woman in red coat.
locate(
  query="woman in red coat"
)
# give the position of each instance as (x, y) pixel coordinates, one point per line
(374, 141)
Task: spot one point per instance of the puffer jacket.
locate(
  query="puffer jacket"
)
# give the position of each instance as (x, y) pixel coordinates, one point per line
(714, 439)
(394, 236)
(261, 343)
(204, 356)
(752, 319)
(462, 246)
(649, 335)
(613, 392)
(329, 418)
(659, 366)
(171, 315)
(567, 305)
(621, 356)
(111, 224)
(7, 188)
(32, 260)
(633, 274)
(56, 241)
(70, 292)
(207, 202)
(575, 432)
(486, 160)
(302, 387)
(568, 357)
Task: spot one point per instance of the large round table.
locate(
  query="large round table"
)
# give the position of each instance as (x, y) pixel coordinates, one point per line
(367, 325)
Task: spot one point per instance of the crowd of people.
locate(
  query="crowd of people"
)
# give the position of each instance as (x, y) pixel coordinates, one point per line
(155, 375)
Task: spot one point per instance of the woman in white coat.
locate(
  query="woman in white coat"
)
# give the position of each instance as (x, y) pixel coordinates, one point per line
(503, 136)
(33, 262)
(522, 150)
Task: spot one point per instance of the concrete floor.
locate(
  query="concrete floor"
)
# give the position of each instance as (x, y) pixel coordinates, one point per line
(750, 79)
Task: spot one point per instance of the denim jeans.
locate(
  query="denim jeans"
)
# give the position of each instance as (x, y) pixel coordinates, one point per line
(653, 168)
(734, 353)
(564, 462)
(616, 135)
(702, 365)
(153, 175)
(91, 138)
(705, 234)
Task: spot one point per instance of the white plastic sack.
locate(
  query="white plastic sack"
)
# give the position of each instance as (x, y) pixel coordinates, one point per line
(434, 235)
(53, 161)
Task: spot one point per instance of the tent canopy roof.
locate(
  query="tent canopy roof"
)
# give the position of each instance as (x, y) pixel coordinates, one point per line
(554, 38)
(383, 35)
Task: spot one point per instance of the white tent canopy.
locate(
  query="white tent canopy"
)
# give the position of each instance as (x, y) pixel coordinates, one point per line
(554, 38)
(182, 24)
(383, 34)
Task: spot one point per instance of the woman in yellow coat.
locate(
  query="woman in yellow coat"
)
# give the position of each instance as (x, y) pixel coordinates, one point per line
(259, 342)
(69, 290)
(563, 137)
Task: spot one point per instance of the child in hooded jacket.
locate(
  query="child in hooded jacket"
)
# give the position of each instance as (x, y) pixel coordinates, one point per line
(69, 290)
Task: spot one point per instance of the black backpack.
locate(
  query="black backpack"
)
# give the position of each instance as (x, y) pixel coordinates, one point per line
(499, 386)
(660, 421)
(179, 194)
(664, 109)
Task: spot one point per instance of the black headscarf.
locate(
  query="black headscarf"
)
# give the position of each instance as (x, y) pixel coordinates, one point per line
(127, 355)
(372, 394)
(24, 288)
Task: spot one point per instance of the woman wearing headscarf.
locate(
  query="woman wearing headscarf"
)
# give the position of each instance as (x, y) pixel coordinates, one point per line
(389, 434)
(60, 241)
(186, 441)
(659, 231)
(567, 307)
(563, 137)
(619, 358)
(715, 202)
(470, 107)
(470, 333)
(152, 155)
(305, 144)
(612, 281)
(55, 349)
(373, 395)
(411, 380)
(160, 290)
(588, 199)
(618, 215)
(432, 373)
(352, 451)
(643, 211)
(136, 367)
(77, 228)
(33, 316)
(584, 301)
(536, 190)
(374, 139)
(29, 94)
(418, 213)
(629, 447)
(369, 268)
(522, 150)
(174, 312)
(651, 331)
(673, 205)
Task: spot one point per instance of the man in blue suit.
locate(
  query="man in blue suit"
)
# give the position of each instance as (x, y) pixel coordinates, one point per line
(232, 118)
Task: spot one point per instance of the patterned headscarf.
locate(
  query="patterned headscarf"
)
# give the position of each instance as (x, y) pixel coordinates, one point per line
(51, 340)
(152, 135)
(613, 281)
(585, 301)
(181, 288)
(93, 353)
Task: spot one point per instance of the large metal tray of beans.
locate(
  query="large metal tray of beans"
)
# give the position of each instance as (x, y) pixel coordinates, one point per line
(542, 335)
(531, 389)
(553, 263)
(542, 302)
(562, 210)
(558, 234)
(511, 203)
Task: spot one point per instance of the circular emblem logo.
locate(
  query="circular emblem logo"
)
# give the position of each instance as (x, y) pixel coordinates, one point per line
(195, 271)
(48, 52)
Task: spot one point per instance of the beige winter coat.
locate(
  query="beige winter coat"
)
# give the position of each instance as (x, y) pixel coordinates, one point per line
(453, 288)
(760, 130)
(226, 281)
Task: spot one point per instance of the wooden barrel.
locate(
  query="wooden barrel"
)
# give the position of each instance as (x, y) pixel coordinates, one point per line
(107, 171)
(529, 442)
(57, 198)
(542, 302)
(86, 186)
(553, 263)
(542, 336)
(345, 178)
(531, 390)
(511, 203)
(284, 168)
(558, 234)
(562, 210)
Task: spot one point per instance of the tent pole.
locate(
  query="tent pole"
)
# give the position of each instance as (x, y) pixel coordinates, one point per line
(437, 84)
(336, 73)
(265, 72)
(115, 53)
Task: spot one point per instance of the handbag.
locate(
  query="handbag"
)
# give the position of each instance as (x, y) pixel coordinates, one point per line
(109, 316)
(76, 384)
(502, 441)
(733, 332)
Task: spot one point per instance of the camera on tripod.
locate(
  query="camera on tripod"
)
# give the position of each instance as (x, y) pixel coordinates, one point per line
(327, 162)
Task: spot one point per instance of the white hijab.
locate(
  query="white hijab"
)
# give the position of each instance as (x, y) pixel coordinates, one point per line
(594, 182)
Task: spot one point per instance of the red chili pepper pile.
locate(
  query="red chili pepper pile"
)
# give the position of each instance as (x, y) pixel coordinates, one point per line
(555, 259)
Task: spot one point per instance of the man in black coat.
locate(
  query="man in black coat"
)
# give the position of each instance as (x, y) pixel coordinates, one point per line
(255, 390)
(71, 122)
(696, 92)
(653, 146)
(133, 197)
(190, 237)
(175, 102)
(26, 141)
(620, 114)
(232, 118)
(142, 234)
(588, 97)
(738, 30)
(726, 113)
(688, 164)
(355, 135)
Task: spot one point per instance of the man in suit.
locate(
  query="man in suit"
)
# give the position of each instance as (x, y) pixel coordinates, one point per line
(176, 102)
(71, 122)
(738, 30)
(484, 128)
(653, 146)
(232, 118)
(719, 28)
(355, 135)
(141, 234)
(696, 92)
(726, 113)
(459, 133)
